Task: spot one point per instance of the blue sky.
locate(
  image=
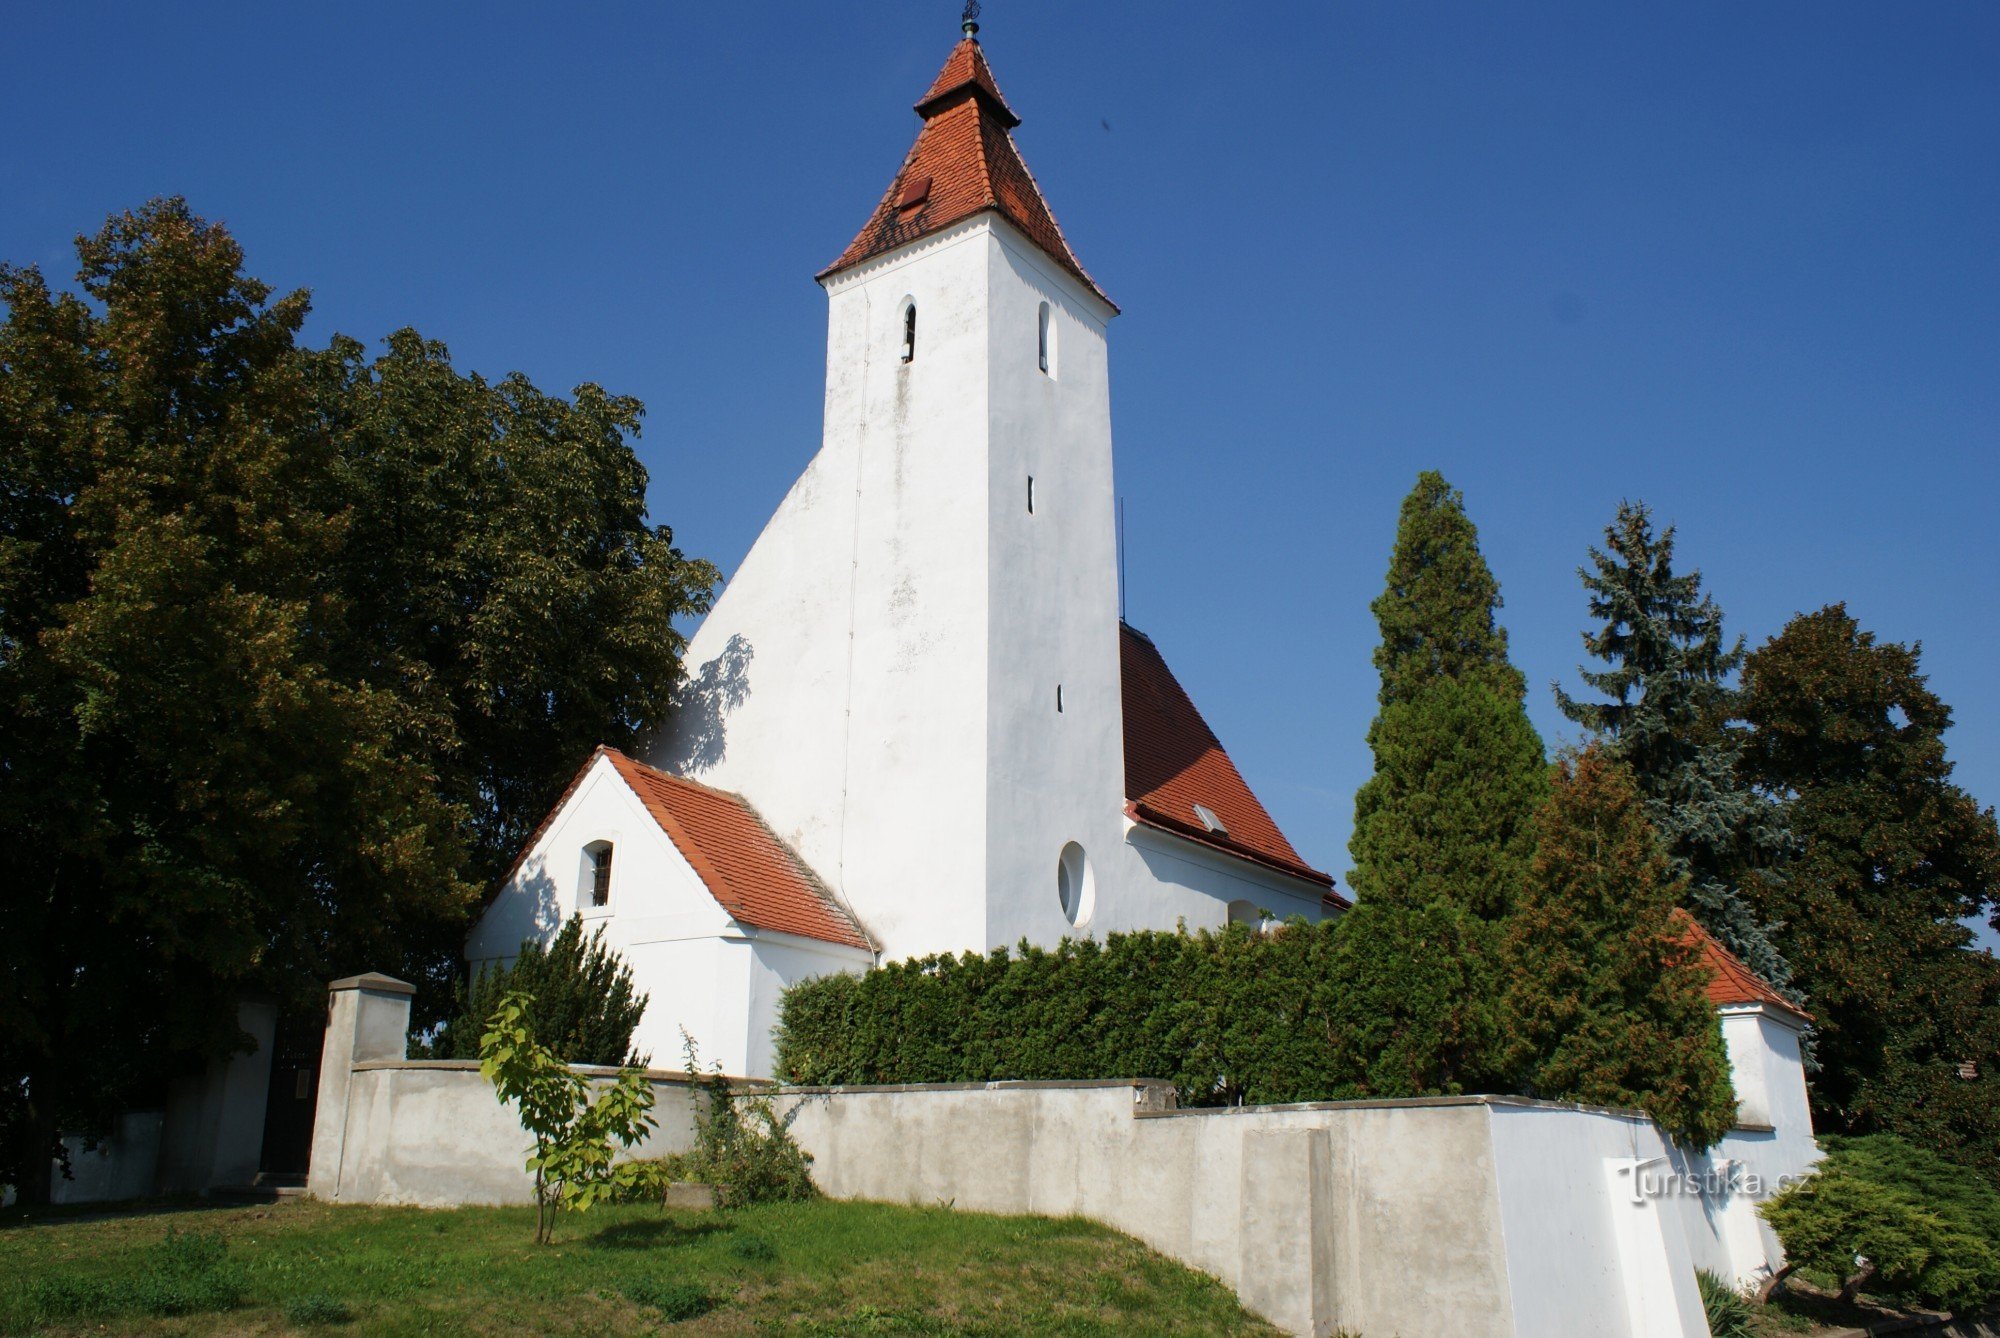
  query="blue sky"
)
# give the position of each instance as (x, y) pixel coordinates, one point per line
(1738, 261)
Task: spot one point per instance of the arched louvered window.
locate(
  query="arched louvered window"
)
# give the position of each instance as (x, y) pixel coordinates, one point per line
(910, 333)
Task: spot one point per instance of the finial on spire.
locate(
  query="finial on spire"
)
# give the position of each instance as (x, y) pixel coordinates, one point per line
(969, 21)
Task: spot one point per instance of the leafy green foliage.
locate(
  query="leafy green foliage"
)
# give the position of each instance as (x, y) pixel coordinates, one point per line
(1668, 719)
(1437, 611)
(573, 1133)
(1893, 856)
(1608, 1002)
(1883, 1214)
(1730, 1313)
(583, 1006)
(1226, 1016)
(743, 1149)
(1444, 828)
(500, 564)
(293, 648)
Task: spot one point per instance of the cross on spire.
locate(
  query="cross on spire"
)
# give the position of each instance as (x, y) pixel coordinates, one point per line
(969, 20)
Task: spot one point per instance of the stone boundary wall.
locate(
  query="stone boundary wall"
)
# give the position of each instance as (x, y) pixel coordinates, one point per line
(1461, 1215)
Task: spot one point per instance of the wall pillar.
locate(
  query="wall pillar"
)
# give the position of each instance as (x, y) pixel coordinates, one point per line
(367, 1017)
(1285, 1251)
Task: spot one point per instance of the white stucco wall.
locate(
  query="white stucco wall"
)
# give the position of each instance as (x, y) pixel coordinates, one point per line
(839, 683)
(1052, 776)
(700, 970)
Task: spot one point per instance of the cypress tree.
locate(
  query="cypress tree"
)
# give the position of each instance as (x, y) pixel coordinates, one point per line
(1893, 857)
(1607, 1001)
(1443, 830)
(1668, 720)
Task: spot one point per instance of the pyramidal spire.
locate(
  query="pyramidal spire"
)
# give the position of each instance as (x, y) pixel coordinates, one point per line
(964, 163)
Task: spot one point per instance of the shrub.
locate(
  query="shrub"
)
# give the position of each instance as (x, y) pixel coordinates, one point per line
(583, 1004)
(1730, 1313)
(1889, 1216)
(743, 1148)
(573, 1131)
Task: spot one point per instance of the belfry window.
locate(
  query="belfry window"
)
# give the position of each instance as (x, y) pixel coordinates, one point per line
(910, 333)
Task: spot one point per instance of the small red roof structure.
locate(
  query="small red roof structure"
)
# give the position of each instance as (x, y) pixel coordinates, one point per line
(963, 163)
(1730, 982)
(744, 866)
(1173, 762)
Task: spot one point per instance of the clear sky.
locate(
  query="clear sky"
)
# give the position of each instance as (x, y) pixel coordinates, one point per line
(1739, 261)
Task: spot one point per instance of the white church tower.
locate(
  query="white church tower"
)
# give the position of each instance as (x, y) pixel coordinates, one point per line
(937, 596)
(913, 721)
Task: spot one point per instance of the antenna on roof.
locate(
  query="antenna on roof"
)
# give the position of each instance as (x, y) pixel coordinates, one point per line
(1121, 559)
(969, 21)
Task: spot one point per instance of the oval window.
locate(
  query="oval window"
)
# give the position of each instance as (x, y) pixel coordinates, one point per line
(1075, 886)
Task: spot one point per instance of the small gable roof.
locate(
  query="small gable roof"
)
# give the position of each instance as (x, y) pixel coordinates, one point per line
(964, 162)
(1730, 982)
(1173, 761)
(751, 874)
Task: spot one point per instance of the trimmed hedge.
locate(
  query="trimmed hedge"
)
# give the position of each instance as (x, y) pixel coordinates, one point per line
(1229, 1016)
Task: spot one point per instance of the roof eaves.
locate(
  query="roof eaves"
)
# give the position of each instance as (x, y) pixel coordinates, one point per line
(1148, 816)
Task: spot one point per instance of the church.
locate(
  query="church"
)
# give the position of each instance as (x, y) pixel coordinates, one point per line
(913, 721)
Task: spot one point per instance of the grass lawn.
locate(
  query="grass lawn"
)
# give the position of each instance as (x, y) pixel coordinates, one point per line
(807, 1268)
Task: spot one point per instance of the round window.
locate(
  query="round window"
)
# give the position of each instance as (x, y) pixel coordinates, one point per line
(1074, 885)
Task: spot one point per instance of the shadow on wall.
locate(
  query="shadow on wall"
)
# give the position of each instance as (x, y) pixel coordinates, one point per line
(538, 914)
(698, 738)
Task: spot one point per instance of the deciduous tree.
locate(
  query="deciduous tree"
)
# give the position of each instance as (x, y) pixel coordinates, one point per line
(1893, 857)
(289, 645)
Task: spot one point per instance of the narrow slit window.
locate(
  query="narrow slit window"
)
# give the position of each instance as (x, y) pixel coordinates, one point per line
(910, 333)
(1059, 699)
(600, 875)
(1044, 351)
(1031, 494)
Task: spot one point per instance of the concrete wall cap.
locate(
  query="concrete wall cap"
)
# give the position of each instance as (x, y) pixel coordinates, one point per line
(587, 1070)
(373, 981)
(1010, 1085)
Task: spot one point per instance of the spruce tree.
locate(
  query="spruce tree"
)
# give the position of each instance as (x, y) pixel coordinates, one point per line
(1607, 998)
(1443, 830)
(1893, 857)
(1668, 720)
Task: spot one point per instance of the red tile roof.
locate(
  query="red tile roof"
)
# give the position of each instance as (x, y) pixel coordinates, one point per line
(1173, 761)
(745, 867)
(1730, 982)
(963, 163)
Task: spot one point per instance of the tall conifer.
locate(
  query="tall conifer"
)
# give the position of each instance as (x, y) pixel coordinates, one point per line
(1443, 830)
(1607, 998)
(1668, 720)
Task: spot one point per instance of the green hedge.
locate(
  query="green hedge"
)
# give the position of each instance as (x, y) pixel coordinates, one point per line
(1226, 1016)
